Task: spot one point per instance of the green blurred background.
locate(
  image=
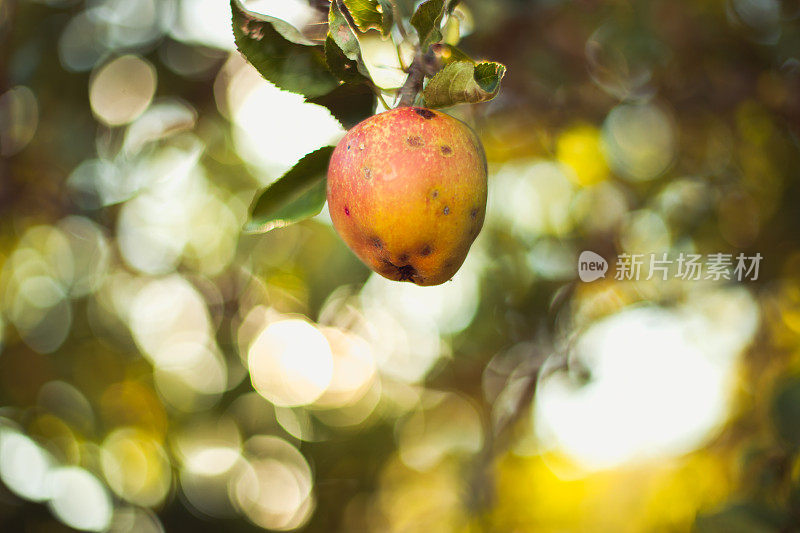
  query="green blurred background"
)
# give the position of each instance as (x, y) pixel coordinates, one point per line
(161, 371)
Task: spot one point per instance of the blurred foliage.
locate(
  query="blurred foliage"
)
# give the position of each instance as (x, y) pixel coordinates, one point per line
(162, 371)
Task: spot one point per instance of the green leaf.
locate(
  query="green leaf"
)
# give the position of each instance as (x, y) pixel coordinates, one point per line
(290, 66)
(488, 75)
(368, 14)
(464, 82)
(350, 103)
(341, 31)
(297, 195)
(428, 21)
(447, 53)
(343, 68)
(296, 20)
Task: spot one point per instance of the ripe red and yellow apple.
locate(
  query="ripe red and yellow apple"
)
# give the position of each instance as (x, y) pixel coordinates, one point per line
(407, 193)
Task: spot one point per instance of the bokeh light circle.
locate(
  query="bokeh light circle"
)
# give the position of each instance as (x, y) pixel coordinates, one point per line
(122, 89)
(290, 363)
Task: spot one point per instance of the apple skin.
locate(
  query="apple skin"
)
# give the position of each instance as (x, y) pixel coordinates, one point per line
(407, 193)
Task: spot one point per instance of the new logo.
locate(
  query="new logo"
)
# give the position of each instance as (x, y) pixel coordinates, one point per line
(591, 266)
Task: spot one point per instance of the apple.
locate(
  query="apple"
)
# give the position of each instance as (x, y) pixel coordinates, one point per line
(407, 193)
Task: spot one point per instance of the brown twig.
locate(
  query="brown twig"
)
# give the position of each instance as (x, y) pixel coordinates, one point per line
(423, 65)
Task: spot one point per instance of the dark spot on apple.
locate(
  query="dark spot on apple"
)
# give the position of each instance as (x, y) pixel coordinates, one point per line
(426, 250)
(376, 242)
(427, 114)
(446, 150)
(446, 210)
(346, 210)
(367, 173)
(407, 272)
(415, 142)
(474, 213)
(404, 273)
(348, 146)
(403, 258)
(435, 193)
